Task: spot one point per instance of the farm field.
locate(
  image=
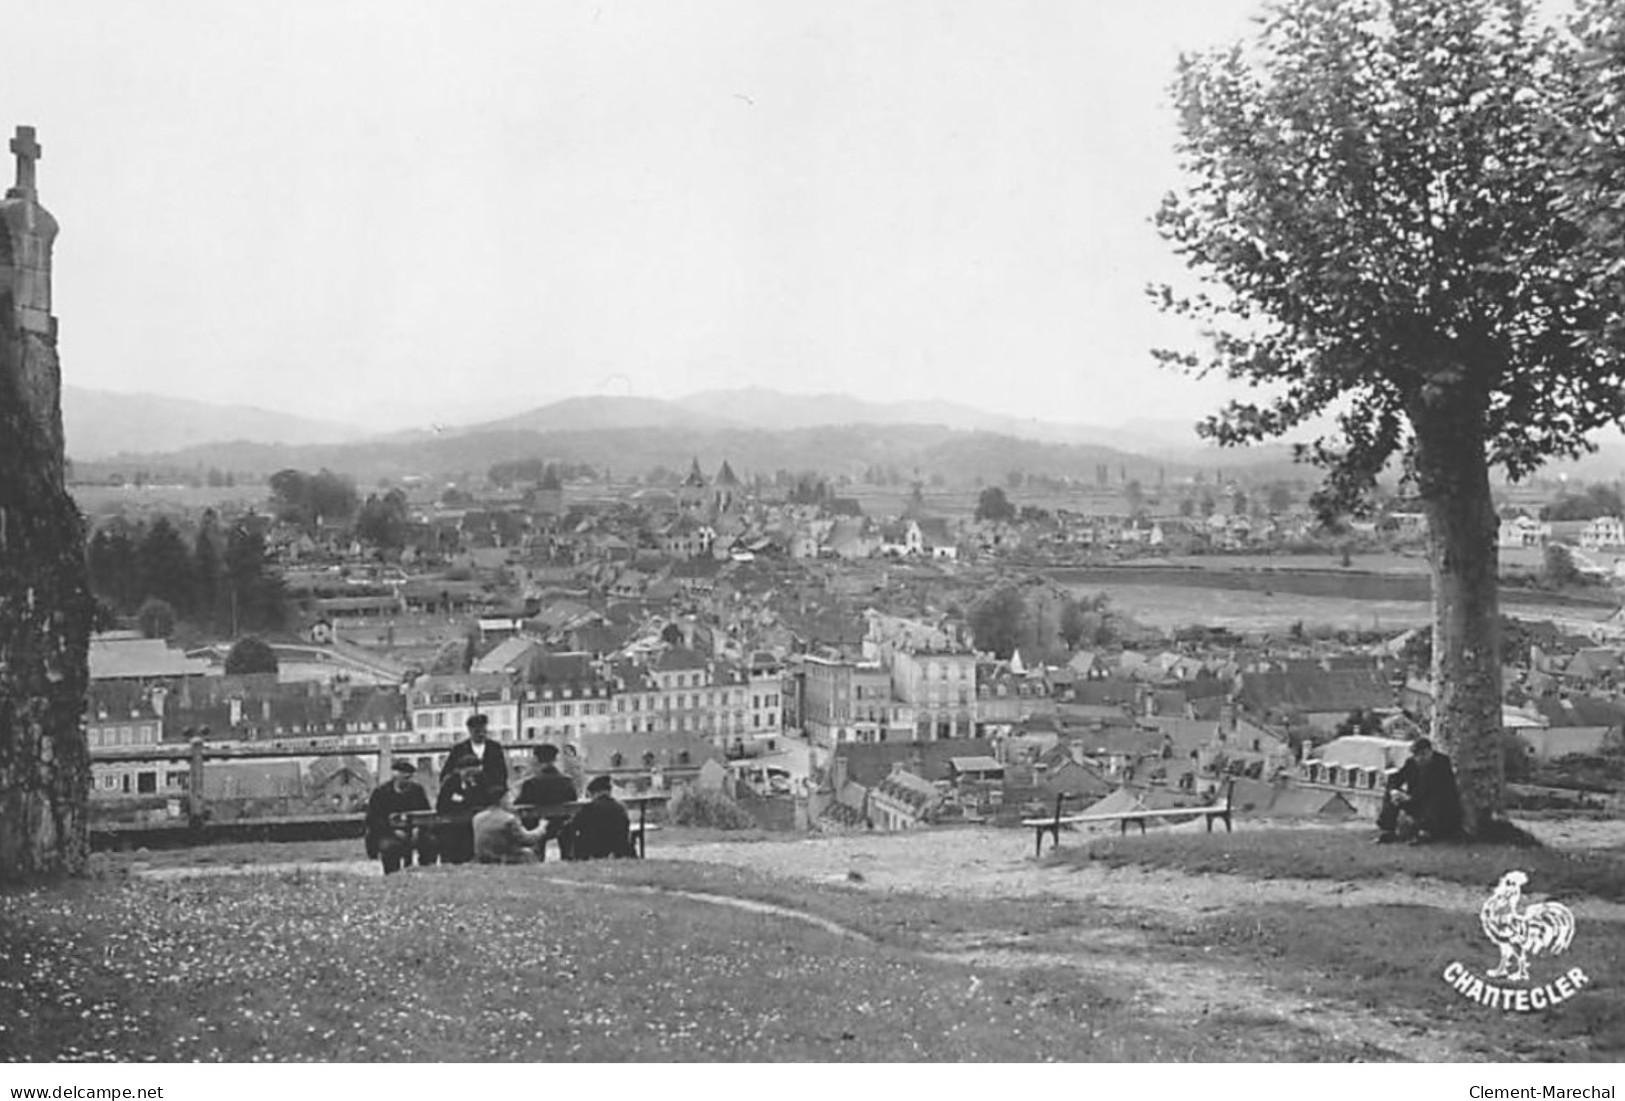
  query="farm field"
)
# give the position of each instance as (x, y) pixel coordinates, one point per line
(1168, 607)
(1172, 607)
(102, 500)
(1517, 560)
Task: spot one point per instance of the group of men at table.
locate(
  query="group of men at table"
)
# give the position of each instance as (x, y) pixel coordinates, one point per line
(481, 822)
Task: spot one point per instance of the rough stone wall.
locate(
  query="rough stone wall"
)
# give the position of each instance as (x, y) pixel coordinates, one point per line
(45, 615)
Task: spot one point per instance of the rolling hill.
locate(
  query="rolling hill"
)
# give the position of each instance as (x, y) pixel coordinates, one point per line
(757, 430)
(99, 424)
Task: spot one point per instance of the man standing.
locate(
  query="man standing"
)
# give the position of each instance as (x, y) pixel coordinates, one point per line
(385, 840)
(478, 749)
(548, 787)
(500, 838)
(601, 828)
(1421, 803)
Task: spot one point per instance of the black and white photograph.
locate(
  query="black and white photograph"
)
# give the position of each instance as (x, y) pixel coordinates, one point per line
(658, 532)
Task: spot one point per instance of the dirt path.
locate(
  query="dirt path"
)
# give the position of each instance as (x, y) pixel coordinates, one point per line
(999, 865)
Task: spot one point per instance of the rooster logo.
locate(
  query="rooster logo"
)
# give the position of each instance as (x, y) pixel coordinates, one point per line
(1543, 929)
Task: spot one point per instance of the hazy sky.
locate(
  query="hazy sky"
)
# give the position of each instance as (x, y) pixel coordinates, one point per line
(392, 212)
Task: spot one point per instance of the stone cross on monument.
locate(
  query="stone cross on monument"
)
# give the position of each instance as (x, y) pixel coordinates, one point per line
(27, 151)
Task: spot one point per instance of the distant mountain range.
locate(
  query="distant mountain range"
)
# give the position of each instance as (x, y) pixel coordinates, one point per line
(757, 430)
(99, 424)
(102, 424)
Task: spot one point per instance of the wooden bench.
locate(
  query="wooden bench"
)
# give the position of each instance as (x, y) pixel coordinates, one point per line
(1053, 824)
(415, 820)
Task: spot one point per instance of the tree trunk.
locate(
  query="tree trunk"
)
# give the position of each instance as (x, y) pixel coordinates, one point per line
(1454, 483)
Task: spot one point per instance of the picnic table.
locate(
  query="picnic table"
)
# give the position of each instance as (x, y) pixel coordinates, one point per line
(414, 820)
(1053, 824)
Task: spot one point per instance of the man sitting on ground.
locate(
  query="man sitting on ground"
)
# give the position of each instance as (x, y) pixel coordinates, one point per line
(601, 828)
(1421, 803)
(548, 787)
(387, 841)
(500, 838)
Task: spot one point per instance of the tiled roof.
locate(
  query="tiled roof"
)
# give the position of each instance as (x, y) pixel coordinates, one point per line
(146, 658)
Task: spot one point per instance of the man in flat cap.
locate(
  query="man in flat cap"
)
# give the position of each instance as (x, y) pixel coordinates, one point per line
(548, 787)
(601, 828)
(479, 749)
(387, 841)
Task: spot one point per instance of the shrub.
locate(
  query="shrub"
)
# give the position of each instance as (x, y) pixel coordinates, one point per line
(710, 809)
(251, 655)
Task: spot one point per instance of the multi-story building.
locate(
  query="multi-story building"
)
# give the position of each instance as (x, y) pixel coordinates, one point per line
(851, 701)
(566, 713)
(126, 716)
(1604, 531)
(932, 671)
(680, 692)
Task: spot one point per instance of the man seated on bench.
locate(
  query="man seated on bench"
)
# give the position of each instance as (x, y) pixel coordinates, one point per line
(500, 838)
(385, 840)
(463, 793)
(548, 787)
(601, 828)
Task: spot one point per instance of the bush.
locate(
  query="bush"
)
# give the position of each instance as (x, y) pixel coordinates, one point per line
(250, 655)
(710, 809)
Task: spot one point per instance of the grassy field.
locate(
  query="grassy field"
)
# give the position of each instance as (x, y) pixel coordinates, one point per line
(489, 964)
(1348, 856)
(655, 960)
(1169, 607)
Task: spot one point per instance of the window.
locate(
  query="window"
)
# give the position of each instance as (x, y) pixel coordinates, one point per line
(146, 783)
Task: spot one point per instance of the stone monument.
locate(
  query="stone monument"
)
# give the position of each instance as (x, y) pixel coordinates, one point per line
(45, 603)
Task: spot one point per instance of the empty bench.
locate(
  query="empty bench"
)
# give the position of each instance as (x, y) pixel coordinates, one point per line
(1053, 824)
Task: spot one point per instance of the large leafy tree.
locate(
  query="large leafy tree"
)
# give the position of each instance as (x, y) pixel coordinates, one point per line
(1376, 208)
